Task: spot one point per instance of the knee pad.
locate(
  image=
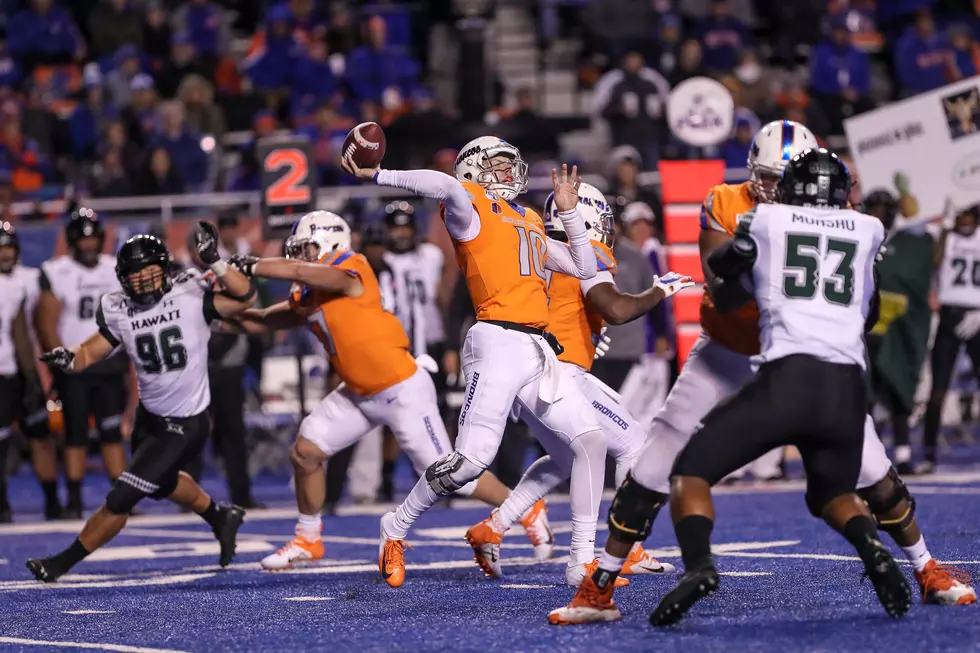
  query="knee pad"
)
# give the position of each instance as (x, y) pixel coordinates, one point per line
(884, 496)
(123, 497)
(452, 473)
(592, 443)
(633, 510)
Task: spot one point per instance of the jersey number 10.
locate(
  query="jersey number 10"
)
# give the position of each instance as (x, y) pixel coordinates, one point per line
(533, 251)
(802, 268)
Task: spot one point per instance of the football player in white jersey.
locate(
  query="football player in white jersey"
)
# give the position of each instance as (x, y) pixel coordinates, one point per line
(71, 287)
(957, 259)
(163, 324)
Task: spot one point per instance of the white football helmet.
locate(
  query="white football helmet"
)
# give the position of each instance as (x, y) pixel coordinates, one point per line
(317, 233)
(473, 163)
(595, 210)
(772, 148)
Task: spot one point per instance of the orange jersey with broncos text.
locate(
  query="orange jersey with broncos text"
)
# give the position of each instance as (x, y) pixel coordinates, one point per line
(504, 264)
(738, 330)
(366, 344)
(575, 326)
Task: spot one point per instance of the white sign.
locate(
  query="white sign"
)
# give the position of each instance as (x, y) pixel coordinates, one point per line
(701, 112)
(925, 150)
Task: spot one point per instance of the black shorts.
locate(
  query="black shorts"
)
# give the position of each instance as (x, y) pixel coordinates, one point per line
(799, 400)
(946, 347)
(10, 401)
(161, 447)
(85, 395)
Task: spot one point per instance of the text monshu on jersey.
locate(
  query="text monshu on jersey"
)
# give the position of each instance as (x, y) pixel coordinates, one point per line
(79, 289)
(813, 280)
(168, 343)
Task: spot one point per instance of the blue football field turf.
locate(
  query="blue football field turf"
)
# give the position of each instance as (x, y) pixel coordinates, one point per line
(790, 584)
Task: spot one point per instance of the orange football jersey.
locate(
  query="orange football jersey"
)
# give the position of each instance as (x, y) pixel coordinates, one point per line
(739, 330)
(367, 345)
(504, 264)
(575, 326)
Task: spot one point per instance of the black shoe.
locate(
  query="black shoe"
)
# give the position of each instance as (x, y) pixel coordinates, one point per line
(6, 516)
(890, 583)
(72, 511)
(226, 531)
(905, 469)
(41, 568)
(692, 587)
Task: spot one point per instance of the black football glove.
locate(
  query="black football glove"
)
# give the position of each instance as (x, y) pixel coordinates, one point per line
(244, 263)
(59, 358)
(206, 242)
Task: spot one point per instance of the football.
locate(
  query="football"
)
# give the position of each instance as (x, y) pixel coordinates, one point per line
(365, 144)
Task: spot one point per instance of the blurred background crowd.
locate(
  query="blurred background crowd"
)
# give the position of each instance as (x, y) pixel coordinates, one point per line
(146, 98)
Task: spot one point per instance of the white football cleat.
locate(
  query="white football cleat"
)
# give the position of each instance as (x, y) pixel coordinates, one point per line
(299, 549)
(641, 562)
(538, 529)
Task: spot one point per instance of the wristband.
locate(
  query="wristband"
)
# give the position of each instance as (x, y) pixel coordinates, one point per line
(375, 178)
(219, 268)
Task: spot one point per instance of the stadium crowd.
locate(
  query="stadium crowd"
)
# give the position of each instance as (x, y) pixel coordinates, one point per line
(121, 98)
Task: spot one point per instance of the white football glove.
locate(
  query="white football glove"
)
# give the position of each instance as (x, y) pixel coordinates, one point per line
(601, 342)
(968, 326)
(427, 363)
(672, 283)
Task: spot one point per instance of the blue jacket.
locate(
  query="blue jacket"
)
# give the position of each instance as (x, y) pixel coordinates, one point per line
(204, 27)
(55, 33)
(734, 153)
(921, 64)
(722, 41)
(271, 64)
(832, 69)
(84, 127)
(371, 72)
(965, 63)
(890, 9)
(313, 82)
(186, 155)
(9, 71)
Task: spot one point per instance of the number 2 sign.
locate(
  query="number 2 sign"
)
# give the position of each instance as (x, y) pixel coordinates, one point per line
(288, 183)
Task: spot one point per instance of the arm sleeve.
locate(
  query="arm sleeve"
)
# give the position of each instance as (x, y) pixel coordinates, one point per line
(577, 257)
(210, 312)
(103, 325)
(462, 220)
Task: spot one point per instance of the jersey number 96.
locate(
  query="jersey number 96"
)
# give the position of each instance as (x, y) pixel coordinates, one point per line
(169, 355)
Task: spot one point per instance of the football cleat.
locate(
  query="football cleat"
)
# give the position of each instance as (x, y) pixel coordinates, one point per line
(942, 585)
(692, 587)
(486, 547)
(575, 575)
(590, 605)
(538, 529)
(226, 532)
(641, 562)
(298, 550)
(889, 582)
(41, 568)
(391, 556)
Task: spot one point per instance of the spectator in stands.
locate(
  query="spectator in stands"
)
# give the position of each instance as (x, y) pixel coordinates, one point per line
(378, 74)
(22, 156)
(920, 57)
(690, 64)
(248, 174)
(205, 24)
(86, 121)
(342, 36)
(624, 188)
(313, 82)
(114, 137)
(119, 81)
(109, 177)
(667, 44)
(273, 53)
(533, 135)
(304, 19)
(735, 151)
(157, 34)
(183, 62)
(754, 90)
(621, 26)
(840, 76)
(966, 53)
(723, 37)
(10, 72)
(113, 24)
(200, 111)
(326, 134)
(183, 145)
(139, 115)
(44, 35)
(417, 135)
(158, 176)
(632, 99)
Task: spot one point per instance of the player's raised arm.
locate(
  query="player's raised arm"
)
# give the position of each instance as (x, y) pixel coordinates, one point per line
(322, 277)
(576, 257)
(76, 359)
(618, 307)
(278, 317)
(239, 293)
